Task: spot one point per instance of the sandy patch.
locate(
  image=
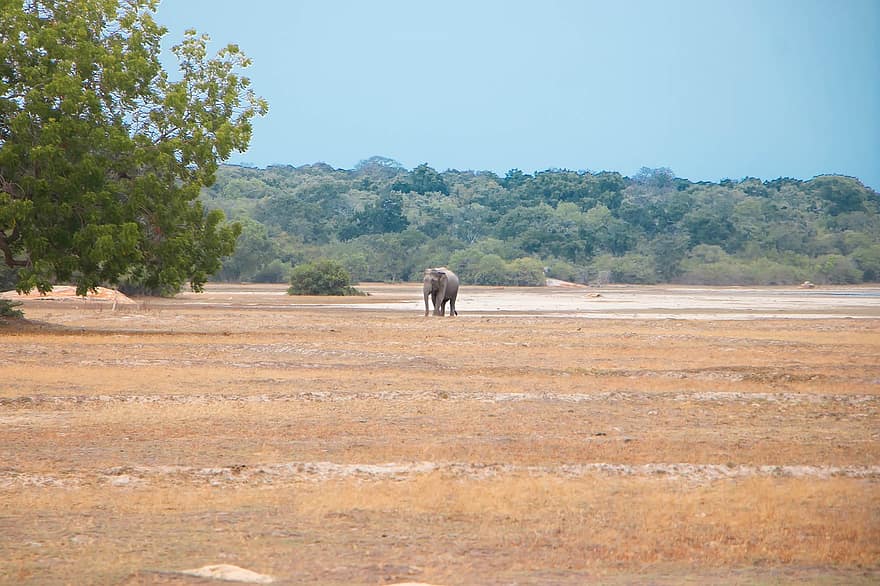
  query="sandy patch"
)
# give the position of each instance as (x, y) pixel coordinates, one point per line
(229, 573)
(68, 293)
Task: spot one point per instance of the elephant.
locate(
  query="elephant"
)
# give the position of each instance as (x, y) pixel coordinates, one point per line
(441, 285)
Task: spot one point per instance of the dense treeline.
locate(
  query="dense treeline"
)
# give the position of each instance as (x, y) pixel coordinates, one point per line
(386, 223)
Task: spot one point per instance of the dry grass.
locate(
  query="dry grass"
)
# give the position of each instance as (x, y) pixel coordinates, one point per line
(174, 436)
(447, 530)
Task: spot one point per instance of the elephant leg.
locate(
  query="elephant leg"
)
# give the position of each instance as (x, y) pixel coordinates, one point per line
(452, 311)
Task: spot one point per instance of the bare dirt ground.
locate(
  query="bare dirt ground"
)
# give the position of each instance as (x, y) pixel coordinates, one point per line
(656, 435)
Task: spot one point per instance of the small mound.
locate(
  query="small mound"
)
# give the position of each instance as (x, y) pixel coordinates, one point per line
(68, 293)
(229, 573)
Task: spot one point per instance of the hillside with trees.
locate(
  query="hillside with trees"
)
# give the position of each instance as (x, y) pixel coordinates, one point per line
(383, 222)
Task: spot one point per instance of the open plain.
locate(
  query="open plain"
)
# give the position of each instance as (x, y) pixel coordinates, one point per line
(563, 435)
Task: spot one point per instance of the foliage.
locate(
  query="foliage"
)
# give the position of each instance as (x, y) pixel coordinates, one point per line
(423, 179)
(321, 277)
(103, 154)
(571, 225)
(8, 309)
(629, 268)
(382, 216)
(8, 277)
(482, 265)
(275, 271)
(254, 251)
(526, 272)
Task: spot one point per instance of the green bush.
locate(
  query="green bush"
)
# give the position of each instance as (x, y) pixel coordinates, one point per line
(491, 270)
(8, 277)
(321, 277)
(8, 309)
(566, 271)
(867, 259)
(837, 269)
(527, 272)
(629, 268)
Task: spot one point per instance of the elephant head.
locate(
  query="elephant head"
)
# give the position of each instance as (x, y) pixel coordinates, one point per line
(441, 285)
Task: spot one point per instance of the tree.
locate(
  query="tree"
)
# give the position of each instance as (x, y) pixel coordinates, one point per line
(103, 155)
(379, 167)
(514, 178)
(423, 179)
(527, 272)
(837, 269)
(660, 178)
(381, 217)
(841, 194)
(254, 250)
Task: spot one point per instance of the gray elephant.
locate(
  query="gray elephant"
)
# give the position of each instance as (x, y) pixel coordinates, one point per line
(441, 285)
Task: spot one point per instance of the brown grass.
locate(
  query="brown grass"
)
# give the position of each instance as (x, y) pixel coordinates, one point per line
(173, 436)
(447, 530)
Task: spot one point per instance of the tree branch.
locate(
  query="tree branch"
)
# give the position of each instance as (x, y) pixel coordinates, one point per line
(8, 257)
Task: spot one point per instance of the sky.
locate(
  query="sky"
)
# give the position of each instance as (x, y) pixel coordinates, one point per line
(712, 89)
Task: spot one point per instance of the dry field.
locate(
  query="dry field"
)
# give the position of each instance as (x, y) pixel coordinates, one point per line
(644, 435)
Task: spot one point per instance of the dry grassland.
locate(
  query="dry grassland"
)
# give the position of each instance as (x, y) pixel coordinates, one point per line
(329, 445)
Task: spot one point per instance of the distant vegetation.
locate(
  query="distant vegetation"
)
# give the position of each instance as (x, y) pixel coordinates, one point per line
(382, 222)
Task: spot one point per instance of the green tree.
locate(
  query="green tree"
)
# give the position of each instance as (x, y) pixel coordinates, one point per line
(867, 258)
(668, 251)
(311, 210)
(607, 233)
(629, 268)
(840, 194)
(377, 167)
(102, 154)
(660, 178)
(253, 251)
(490, 270)
(837, 269)
(275, 271)
(527, 272)
(515, 178)
(380, 217)
(423, 179)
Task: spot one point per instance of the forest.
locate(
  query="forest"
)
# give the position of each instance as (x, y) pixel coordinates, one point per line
(384, 222)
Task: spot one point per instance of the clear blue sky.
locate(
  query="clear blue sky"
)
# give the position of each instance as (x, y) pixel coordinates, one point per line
(710, 88)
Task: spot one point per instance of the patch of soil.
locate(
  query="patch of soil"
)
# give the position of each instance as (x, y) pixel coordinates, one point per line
(68, 293)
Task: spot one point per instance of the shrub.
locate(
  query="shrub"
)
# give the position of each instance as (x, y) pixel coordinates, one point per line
(8, 309)
(837, 269)
(321, 277)
(867, 259)
(527, 272)
(629, 268)
(491, 270)
(565, 271)
(8, 277)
